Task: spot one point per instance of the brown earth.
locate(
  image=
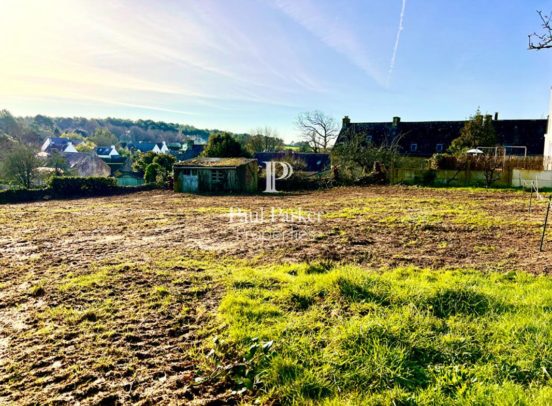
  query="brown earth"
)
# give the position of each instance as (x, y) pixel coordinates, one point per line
(110, 300)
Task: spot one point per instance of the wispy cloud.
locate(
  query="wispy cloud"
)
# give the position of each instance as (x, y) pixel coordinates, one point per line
(397, 42)
(192, 55)
(333, 32)
(237, 59)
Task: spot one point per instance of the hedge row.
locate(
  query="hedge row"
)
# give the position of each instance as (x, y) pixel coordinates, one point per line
(74, 186)
(71, 187)
(22, 195)
(295, 183)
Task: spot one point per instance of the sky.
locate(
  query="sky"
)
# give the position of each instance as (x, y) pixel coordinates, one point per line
(240, 64)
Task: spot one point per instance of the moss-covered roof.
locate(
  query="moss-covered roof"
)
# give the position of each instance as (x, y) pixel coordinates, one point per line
(214, 162)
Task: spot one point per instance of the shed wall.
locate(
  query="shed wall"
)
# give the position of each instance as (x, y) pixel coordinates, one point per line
(221, 180)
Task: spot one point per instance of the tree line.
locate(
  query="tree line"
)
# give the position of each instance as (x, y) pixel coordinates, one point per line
(20, 138)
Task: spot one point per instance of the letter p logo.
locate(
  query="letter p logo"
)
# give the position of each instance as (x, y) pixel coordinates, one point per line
(287, 171)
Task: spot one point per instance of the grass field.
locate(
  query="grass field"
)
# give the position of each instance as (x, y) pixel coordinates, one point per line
(392, 295)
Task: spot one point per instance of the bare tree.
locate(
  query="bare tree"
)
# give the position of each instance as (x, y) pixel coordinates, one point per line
(357, 157)
(492, 166)
(318, 129)
(264, 140)
(543, 40)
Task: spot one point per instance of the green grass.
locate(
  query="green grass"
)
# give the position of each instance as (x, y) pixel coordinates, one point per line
(429, 212)
(86, 281)
(345, 335)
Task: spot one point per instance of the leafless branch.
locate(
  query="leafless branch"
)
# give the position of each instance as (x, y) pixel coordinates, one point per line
(318, 129)
(544, 40)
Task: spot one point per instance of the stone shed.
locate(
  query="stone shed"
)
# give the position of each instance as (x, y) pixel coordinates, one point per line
(216, 175)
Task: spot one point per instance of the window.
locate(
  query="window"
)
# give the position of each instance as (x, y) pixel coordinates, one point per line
(413, 147)
(439, 148)
(189, 172)
(217, 176)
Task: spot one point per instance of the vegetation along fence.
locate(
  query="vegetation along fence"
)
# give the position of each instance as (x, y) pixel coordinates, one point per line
(70, 187)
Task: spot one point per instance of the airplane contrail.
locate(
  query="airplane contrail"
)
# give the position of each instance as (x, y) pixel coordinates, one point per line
(397, 41)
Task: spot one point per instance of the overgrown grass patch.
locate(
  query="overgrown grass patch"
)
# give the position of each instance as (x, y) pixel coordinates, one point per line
(343, 334)
(429, 212)
(86, 281)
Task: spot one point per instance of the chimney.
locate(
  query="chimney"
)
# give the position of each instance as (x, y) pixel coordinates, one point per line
(496, 116)
(396, 121)
(346, 122)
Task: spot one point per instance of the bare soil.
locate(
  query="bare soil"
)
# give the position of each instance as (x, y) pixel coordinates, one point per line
(106, 300)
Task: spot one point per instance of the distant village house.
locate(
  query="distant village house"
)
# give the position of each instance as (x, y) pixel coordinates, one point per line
(79, 163)
(423, 139)
(58, 144)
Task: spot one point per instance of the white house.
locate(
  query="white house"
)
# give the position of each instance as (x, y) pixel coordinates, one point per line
(164, 148)
(107, 152)
(113, 151)
(548, 139)
(70, 148)
(59, 144)
(46, 144)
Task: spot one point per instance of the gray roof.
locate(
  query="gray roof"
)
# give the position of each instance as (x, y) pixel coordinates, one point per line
(87, 164)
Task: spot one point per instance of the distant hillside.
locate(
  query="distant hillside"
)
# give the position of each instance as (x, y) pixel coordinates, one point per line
(123, 129)
(139, 130)
(34, 130)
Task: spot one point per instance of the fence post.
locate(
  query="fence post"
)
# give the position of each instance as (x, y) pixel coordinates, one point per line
(545, 224)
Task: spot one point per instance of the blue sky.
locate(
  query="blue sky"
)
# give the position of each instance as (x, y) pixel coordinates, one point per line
(240, 64)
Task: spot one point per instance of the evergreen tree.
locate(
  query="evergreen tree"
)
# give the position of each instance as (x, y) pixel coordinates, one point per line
(478, 131)
(20, 165)
(223, 145)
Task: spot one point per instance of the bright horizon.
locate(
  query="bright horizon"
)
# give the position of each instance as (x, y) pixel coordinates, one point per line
(236, 65)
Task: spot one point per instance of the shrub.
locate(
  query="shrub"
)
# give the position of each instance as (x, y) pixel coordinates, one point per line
(153, 173)
(22, 195)
(142, 160)
(75, 186)
(298, 181)
(356, 157)
(443, 161)
(33, 195)
(428, 177)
